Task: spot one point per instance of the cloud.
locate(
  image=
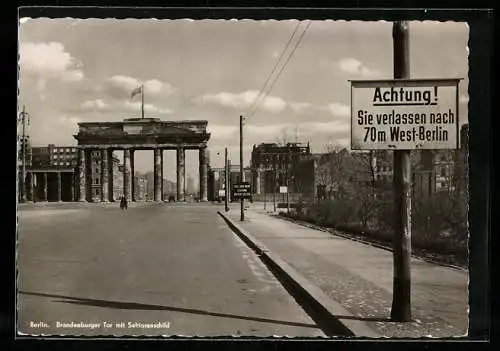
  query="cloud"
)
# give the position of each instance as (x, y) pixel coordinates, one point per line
(50, 61)
(121, 106)
(339, 110)
(245, 100)
(94, 104)
(222, 131)
(151, 108)
(270, 129)
(69, 122)
(353, 66)
(336, 127)
(126, 84)
(300, 107)
(41, 84)
(309, 128)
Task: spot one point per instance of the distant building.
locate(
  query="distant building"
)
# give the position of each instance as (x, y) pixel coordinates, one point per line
(54, 156)
(51, 175)
(150, 178)
(275, 165)
(95, 176)
(140, 184)
(169, 188)
(190, 187)
(216, 180)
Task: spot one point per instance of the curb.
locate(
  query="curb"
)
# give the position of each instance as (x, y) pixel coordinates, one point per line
(333, 319)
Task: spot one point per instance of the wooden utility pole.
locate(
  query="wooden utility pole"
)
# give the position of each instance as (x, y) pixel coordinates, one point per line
(242, 173)
(229, 196)
(288, 182)
(226, 181)
(274, 186)
(24, 117)
(401, 300)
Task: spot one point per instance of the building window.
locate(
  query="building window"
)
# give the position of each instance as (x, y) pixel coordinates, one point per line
(443, 172)
(96, 181)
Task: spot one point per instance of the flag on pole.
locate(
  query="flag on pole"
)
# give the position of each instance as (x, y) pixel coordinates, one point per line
(135, 92)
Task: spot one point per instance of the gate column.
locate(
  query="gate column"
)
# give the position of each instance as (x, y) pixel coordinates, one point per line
(59, 187)
(203, 174)
(82, 165)
(157, 175)
(162, 198)
(111, 165)
(180, 173)
(126, 174)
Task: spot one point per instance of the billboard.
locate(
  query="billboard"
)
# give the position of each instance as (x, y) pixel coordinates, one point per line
(404, 114)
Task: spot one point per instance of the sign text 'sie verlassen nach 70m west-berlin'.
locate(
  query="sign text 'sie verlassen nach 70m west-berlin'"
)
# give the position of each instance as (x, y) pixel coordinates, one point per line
(404, 114)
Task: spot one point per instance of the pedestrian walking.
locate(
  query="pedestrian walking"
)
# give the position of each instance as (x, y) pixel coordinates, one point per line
(123, 203)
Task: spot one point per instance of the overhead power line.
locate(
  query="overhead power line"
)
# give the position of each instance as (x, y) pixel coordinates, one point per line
(280, 71)
(274, 68)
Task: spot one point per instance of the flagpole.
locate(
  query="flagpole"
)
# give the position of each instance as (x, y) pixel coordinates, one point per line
(142, 96)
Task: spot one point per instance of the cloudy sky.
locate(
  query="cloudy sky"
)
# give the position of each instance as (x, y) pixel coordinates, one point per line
(74, 70)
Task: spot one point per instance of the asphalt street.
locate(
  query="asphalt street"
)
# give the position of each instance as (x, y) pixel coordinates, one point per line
(155, 269)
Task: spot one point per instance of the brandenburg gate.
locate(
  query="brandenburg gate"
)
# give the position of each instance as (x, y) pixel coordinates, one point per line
(140, 134)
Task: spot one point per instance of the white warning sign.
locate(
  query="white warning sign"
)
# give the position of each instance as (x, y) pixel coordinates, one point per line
(404, 114)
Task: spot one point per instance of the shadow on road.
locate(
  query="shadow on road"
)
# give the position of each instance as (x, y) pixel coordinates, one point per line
(148, 307)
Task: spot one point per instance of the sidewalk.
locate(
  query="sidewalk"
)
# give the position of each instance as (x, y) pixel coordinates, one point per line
(359, 277)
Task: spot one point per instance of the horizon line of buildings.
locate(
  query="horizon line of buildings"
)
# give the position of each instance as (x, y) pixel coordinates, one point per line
(311, 176)
(51, 172)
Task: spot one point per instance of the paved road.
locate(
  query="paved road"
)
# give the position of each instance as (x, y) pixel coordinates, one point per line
(166, 270)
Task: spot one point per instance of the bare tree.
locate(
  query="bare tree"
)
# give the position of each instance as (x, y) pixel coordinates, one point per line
(365, 168)
(338, 169)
